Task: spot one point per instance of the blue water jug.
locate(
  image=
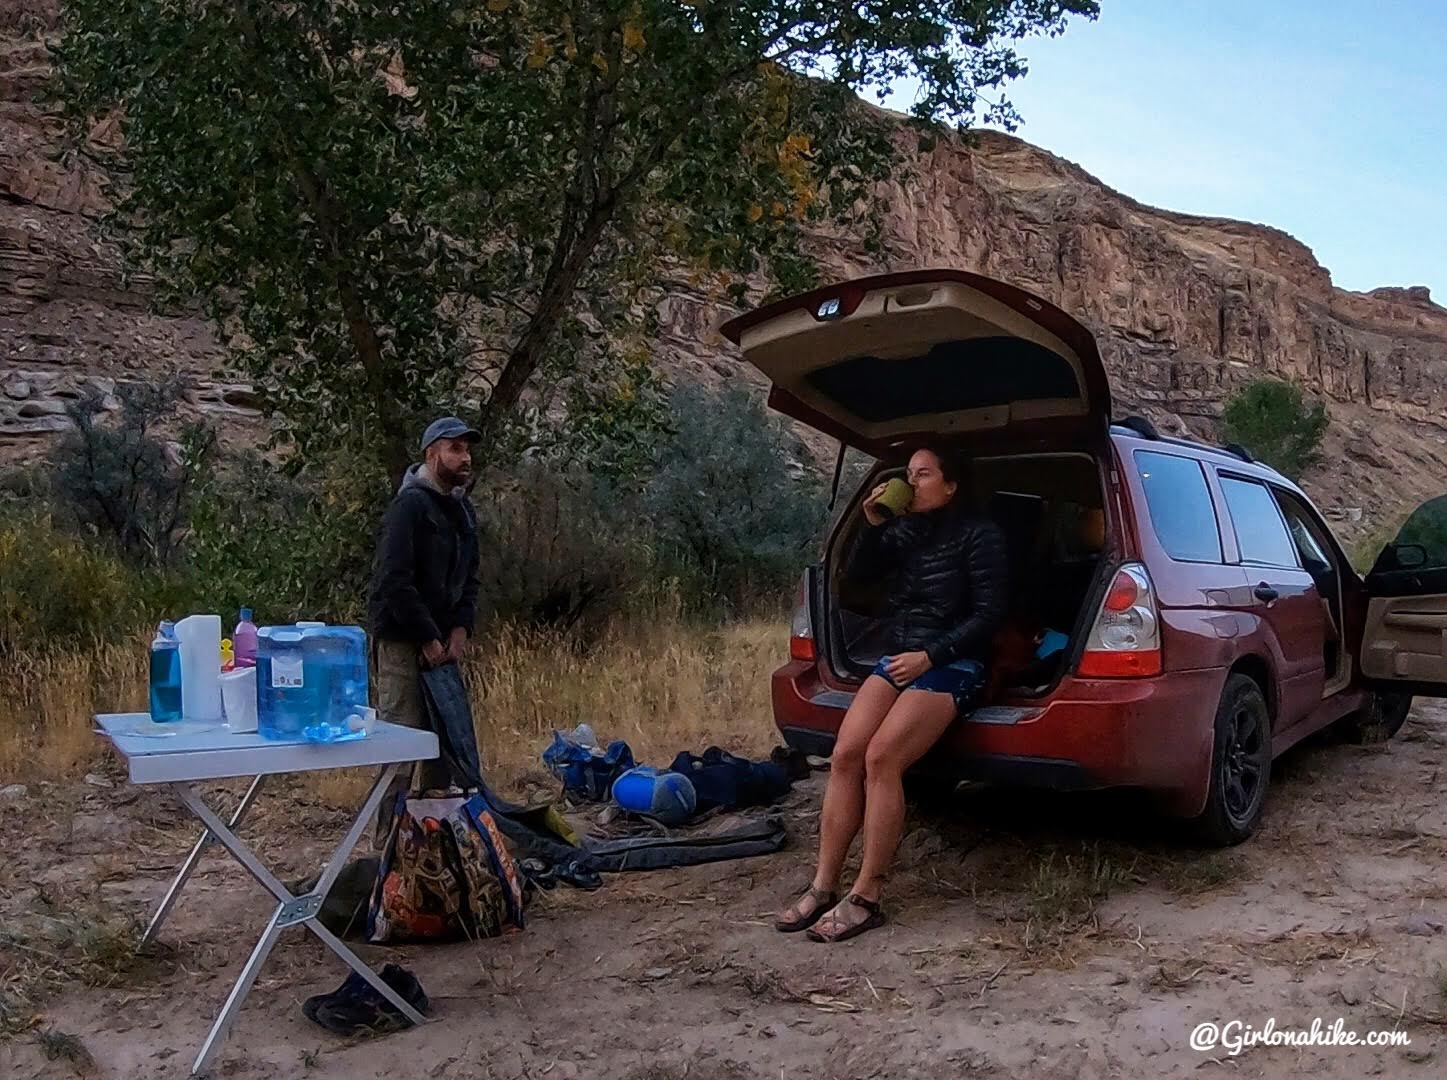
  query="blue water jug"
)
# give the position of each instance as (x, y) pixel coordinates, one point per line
(286, 701)
(667, 796)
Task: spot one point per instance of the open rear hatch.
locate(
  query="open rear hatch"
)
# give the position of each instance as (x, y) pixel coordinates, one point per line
(883, 361)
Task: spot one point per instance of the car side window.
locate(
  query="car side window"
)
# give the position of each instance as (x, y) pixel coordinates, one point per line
(1309, 546)
(1180, 506)
(1261, 532)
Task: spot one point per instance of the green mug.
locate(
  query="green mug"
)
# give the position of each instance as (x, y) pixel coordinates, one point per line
(894, 499)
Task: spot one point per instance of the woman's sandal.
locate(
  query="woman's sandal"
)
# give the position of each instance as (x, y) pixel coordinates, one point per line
(824, 902)
(876, 919)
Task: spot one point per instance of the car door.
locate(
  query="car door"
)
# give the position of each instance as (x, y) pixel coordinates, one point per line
(1284, 594)
(1404, 641)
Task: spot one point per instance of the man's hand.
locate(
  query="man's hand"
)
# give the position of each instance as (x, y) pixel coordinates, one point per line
(433, 654)
(906, 667)
(456, 644)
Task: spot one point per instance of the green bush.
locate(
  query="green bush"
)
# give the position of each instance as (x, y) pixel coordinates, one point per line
(289, 547)
(1274, 421)
(59, 591)
(118, 477)
(560, 546)
(720, 513)
(731, 503)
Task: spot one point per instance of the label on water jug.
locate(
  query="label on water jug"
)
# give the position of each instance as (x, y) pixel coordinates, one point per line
(286, 673)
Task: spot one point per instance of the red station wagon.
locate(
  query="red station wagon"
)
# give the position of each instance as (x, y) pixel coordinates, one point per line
(1210, 618)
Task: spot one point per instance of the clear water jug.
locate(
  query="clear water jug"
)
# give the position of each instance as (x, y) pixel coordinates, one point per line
(336, 658)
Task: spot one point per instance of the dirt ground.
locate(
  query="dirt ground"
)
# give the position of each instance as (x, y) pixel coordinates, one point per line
(1030, 936)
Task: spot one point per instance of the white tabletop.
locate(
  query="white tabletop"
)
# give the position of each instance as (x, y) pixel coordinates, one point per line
(165, 753)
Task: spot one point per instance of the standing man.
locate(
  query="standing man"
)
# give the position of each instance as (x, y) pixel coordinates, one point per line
(424, 585)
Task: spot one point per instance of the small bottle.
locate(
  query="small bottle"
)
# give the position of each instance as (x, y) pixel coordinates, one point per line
(228, 656)
(243, 641)
(165, 675)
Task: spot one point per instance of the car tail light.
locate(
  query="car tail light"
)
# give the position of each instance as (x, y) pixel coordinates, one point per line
(801, 630)
(1125, 642)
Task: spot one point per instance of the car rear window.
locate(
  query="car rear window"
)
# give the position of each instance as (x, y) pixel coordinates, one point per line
(1260, 531)
(952, 377)
(1180, 505)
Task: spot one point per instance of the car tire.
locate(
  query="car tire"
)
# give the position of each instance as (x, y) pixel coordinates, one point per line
(1240, 765)
(1385, 713)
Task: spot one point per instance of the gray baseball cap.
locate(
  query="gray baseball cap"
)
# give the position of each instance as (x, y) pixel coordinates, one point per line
(449, 427)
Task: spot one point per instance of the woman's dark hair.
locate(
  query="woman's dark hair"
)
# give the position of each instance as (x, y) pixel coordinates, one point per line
(953, 466)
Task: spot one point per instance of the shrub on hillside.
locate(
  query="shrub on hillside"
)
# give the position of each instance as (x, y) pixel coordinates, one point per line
(1274, 421)
(119, 477)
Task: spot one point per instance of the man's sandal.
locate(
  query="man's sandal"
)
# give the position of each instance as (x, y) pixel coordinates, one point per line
(875, 919)
(823, 900)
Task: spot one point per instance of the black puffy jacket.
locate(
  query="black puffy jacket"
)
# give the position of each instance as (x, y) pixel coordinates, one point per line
(950, 581)
(424, 577)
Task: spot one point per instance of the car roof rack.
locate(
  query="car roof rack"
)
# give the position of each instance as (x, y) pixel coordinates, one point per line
(1139, 425)
(1142, 428)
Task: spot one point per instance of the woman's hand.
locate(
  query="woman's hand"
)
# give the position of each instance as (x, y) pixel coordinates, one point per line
(871, 515)
(906, 667)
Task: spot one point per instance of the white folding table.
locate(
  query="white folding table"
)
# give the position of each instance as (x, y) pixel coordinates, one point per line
(178, 756)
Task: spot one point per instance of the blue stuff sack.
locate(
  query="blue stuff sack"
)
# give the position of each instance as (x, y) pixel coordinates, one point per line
(586, 775)
(665, 796)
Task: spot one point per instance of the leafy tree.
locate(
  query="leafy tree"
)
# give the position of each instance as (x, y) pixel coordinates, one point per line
(391, 206)
(1274, 421)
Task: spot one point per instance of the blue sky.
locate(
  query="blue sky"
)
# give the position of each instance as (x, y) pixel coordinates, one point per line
(1326, 119)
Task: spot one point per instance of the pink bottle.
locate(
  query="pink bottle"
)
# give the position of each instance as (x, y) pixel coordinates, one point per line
(243, 641)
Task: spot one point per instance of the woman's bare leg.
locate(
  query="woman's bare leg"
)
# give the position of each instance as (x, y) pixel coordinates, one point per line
(843, 810)
(913, 725)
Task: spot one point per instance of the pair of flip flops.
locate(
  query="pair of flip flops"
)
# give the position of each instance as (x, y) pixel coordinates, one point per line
(355, 1007)
(825, 902)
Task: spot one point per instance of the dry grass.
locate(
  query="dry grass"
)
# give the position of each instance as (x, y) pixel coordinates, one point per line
(47, 705)
(663, 684)
(663, 687)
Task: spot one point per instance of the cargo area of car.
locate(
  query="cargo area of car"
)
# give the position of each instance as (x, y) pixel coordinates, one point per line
(1051, 508)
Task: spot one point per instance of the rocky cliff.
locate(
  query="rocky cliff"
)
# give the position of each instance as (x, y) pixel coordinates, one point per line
(1186, 307)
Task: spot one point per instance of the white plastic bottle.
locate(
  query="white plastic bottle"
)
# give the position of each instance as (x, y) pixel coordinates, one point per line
(200, 638)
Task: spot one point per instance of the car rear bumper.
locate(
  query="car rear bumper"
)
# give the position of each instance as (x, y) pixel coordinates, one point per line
(1090, 733)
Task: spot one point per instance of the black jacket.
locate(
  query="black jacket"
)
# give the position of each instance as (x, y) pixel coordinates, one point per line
(950, 585)
(424, 578)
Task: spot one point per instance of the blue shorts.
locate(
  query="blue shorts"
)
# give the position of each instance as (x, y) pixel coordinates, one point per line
(963, 680)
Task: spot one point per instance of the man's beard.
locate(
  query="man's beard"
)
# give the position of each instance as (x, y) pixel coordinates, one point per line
(450, 479)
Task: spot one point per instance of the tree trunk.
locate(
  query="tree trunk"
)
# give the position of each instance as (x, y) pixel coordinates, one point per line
(569, 262)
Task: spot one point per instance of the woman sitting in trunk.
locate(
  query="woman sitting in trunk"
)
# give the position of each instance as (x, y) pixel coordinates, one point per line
(948, 598)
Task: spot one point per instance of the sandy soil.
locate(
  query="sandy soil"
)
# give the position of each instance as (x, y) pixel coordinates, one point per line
(1030, 936)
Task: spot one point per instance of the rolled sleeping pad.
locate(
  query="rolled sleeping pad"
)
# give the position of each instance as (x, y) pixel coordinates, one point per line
(666, 796)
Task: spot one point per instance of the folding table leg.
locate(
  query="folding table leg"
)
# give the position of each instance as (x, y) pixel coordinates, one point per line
(169, 900)
(291, 910)
(222, 1027)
